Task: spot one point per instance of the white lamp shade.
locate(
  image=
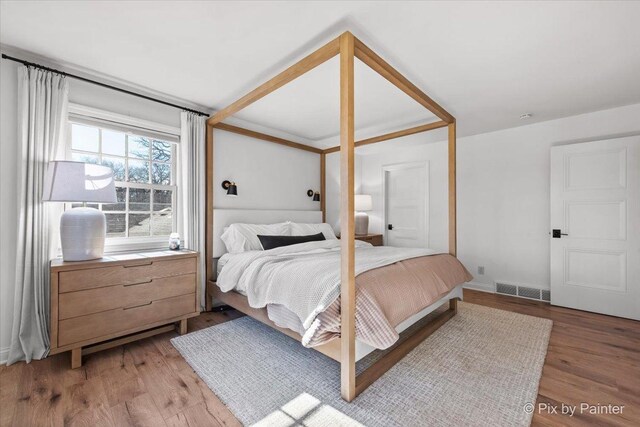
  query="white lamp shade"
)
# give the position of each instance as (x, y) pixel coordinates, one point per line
(68, 181)
(363, 202)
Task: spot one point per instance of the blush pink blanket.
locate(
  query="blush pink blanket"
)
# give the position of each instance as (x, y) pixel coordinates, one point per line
(385, 297)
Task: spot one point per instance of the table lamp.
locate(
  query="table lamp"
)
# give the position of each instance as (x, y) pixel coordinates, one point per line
(362, 203)
(82, 229)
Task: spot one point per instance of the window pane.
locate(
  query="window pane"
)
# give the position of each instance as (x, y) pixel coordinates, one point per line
(117, 165)
(138, 225)
(139, 147)
(87, 158)
(139, 199)
(138, 171)
(116, 225)
(162, 200)
(162, 224)
(161, 151)
(161, 173)
(85, 138)
(121, 197)
(113, 143)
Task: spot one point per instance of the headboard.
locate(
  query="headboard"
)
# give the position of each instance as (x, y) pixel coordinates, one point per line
(225, 217)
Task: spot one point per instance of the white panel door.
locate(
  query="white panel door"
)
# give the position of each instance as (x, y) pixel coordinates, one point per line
(406, 205)
(595, 222)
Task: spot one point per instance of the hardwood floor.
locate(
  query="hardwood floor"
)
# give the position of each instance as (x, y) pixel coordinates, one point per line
(591, 358)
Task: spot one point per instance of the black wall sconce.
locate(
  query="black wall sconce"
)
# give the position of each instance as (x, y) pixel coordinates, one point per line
(314, 194)
(231, 187)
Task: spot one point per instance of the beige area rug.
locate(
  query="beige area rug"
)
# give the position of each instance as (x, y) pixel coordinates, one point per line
(481, 368)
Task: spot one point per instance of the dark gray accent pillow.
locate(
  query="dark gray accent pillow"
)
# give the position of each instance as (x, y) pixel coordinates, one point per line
(271, 242)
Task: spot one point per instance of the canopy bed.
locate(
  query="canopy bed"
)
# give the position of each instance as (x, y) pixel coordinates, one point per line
(345, 349)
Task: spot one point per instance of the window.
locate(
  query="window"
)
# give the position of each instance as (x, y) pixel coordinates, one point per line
(144, 171)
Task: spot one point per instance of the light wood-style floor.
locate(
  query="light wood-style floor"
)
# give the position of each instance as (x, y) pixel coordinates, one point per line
(591, 358)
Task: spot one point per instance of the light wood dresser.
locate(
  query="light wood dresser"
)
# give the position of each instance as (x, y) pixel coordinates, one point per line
(120, 298)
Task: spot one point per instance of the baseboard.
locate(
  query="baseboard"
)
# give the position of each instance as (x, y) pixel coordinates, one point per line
(4, 355)
(483, 287)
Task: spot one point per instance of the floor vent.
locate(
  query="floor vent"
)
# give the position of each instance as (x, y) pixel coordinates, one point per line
(546, 295)
(523, 291)
(503, 288)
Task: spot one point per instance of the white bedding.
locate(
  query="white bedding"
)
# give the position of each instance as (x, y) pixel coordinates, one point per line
(305, 278)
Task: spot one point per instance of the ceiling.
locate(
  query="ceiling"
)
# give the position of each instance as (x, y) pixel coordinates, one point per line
(485, 62)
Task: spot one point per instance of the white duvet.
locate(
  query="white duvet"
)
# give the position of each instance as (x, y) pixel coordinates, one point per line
(304, 278)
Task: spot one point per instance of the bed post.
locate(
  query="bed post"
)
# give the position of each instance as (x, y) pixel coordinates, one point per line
(453, 246)
(347, 230)
(323, 179)
(208, 251)
(453, 238)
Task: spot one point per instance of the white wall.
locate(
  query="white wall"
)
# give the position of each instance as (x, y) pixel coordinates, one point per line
(503, 190)
(268, 176)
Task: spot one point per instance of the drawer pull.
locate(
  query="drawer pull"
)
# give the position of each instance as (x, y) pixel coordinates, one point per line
(136, 306)
(138, 283)
(138, 265)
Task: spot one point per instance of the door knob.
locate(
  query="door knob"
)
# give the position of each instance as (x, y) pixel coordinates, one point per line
(390, 226)
(557, 233)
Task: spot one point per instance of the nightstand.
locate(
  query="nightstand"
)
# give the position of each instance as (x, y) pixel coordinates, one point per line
(374, 239)
(103, 303)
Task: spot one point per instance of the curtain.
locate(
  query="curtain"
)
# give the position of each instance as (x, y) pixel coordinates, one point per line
(42, 114)
(191, 188)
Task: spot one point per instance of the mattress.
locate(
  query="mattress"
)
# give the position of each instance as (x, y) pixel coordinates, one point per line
(400, 285)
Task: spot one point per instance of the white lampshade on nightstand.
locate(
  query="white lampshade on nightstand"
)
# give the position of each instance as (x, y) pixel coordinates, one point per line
(362, 203)
(82, 230)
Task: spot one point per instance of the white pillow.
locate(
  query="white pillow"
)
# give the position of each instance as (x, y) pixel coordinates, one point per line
(298, 229)
(244, 237)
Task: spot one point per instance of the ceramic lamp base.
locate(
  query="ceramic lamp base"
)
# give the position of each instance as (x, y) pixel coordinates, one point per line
(362, 224)
(82, 233)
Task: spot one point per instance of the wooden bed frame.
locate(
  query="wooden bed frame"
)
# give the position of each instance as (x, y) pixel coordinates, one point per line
(348, 48)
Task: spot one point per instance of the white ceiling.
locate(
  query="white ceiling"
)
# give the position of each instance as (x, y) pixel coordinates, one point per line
(486, 63)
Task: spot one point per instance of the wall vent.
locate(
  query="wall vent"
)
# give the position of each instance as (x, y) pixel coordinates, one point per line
(523, 291)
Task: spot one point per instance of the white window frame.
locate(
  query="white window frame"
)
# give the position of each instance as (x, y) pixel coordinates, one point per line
(102, 119)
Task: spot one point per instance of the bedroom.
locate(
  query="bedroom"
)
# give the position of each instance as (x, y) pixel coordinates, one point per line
(456, 163)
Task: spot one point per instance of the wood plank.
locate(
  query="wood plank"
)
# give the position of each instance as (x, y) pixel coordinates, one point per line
(208, 251)
(140, 411)
(170, 392)
(347, 224)
(87, 404)
(308, 63)
(323, 186)
(393, 135)
(453, 237)
(265, 137)
(375, 62)
(122, 383)
(375, 371)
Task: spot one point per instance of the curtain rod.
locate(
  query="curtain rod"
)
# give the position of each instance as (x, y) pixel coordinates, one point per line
(73, 76)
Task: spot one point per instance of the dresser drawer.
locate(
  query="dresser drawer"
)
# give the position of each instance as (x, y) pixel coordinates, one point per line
(112, 322)
(80, 303)
(75, 280)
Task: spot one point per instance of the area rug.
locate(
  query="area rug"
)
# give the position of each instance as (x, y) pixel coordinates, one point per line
(481, 368)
